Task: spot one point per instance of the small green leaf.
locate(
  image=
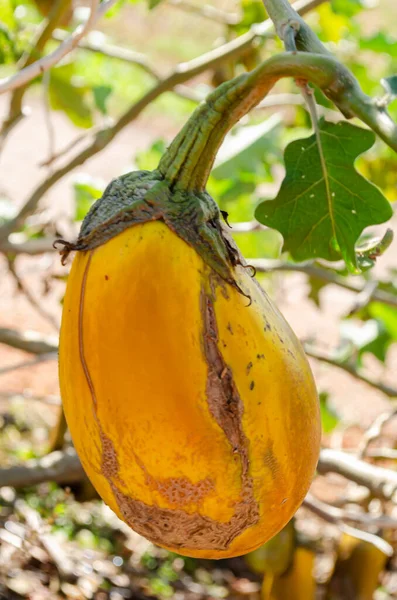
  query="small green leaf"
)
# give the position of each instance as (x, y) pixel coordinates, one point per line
(323, 206)
(153, 3)
(86, 191)
(245, 148)
(101, 94)
(7, 19)
(148, 160)
(382, 42)
(329, 417)
(349, 8)
(316, 285)
(68, 93)
(370, 337)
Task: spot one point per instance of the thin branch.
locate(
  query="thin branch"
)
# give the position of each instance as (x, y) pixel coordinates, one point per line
(43, 64)
(133, 58)
(60, 467)
(247, 227)
(16, 112)
(32, 247)
(29, 341)
(28, 363)
(182, 73)
(331, 514)
(364, 297)
(350, 368)
(72, 144)
(64, 467)
(47, 113)
(207, 12)
(23, 288)
(339, 518)
(381, 482)
(381, 453)
(51, 400)
(267, 265)
(375, 431)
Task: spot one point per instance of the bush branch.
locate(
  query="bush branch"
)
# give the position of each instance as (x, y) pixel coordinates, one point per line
(311, 270)
(182, 73)
(350, 368)
(381, 482)
(38, 67)
(28, 341)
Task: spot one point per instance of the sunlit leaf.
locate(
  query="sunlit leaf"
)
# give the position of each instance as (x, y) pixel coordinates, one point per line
(86, 191)
(247, 148)
(68, 94)
(7, 19)
(329, 417)
(370, 337)
(322, 207)
(148, 160)
(101, 94)
(380, 42)
(347, 7)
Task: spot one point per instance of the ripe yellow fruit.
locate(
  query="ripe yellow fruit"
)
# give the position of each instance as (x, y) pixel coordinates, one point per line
(194, 411)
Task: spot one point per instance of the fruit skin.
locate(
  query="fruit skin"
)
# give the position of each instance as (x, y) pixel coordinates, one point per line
(194, 411)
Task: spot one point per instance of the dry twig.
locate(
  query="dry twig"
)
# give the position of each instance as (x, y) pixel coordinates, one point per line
(43, 64)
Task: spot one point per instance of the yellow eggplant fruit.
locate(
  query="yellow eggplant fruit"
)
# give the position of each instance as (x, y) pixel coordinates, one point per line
(189, 399)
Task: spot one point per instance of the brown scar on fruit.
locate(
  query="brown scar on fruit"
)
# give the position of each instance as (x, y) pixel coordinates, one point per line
(178, 490)
(172, 527)
(271, 461)
(226, 407)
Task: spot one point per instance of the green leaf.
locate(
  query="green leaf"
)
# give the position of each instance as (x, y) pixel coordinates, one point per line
(86, 191)
(382, 42)
(370, 337)
(101, 94)
(245, 149)
(347, 7)
(323, 206)
(7, 18)
(316, 285)
(387, 315)
(148, 160)
(253, 11)
(329, 417)
(68, 93)
(153, 3)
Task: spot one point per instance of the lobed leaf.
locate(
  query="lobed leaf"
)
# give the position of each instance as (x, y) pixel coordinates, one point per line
(324, 204)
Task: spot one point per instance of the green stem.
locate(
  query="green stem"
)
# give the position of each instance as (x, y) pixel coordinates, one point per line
(283, 14)
(188, 162)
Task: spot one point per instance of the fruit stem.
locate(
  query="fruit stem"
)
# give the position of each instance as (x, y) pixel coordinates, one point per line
(188, 162)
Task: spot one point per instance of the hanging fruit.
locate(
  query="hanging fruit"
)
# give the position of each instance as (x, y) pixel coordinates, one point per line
(189, 399)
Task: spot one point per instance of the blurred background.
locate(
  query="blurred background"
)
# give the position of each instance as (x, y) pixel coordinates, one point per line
(57, 539)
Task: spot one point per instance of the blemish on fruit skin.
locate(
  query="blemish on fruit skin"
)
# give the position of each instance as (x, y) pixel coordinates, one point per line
(107, 277)
(271, 461)
(252, 385)
(249, 367)
(229, 327)
(259, 356)
(284, 501)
